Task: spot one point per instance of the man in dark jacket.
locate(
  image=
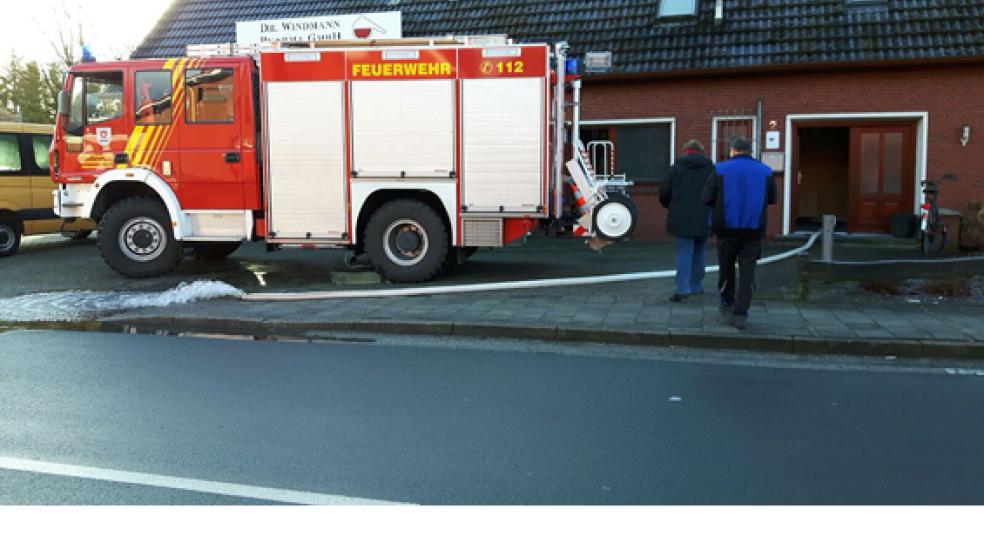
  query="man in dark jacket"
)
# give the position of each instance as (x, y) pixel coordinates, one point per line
(740, 191)
(687, 219)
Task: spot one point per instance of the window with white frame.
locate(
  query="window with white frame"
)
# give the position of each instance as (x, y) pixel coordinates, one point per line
(673, 8)
(642, 150)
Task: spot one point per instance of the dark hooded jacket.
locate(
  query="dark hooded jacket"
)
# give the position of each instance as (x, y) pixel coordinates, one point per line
(682, 195)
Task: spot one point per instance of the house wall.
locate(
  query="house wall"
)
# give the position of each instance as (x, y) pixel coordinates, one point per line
(953, 95)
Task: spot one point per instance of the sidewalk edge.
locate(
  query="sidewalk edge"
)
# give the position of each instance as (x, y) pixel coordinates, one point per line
(755, 343)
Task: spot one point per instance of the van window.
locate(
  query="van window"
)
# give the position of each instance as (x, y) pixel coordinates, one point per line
(152, 95)
(209, 95)
(10, 158)
(40, 145)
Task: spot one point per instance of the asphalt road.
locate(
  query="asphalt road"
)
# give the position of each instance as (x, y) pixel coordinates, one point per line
(473, 423)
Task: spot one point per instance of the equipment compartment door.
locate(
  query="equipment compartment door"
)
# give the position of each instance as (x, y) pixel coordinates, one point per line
(503, 144)
(403, 128)
(306, 160)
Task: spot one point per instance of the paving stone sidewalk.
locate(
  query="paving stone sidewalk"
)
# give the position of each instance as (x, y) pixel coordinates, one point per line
(630, 309)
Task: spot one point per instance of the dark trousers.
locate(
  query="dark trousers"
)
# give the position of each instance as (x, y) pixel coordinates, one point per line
(746, 253)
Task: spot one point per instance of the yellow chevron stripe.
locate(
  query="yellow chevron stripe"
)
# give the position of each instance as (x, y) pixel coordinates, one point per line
(142, 135)
(152, 149)
(131, 144)
(135, 136)
(148, 139)
(177, 104)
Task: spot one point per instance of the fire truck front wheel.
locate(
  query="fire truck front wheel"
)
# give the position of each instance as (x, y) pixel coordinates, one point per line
(136, 240)
(406, 241)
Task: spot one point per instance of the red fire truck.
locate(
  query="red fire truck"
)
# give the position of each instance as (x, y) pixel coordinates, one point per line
(414, 152)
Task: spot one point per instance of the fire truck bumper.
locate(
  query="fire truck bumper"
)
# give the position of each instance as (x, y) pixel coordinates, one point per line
(73, 201)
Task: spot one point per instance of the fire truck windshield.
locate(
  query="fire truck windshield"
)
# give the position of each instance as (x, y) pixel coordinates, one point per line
(96, 97)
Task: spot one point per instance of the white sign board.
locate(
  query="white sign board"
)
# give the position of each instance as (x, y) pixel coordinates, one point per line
(384, 25)
(775, 160)
(772, 139)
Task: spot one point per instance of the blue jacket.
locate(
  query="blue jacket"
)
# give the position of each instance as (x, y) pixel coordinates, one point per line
(740, 190)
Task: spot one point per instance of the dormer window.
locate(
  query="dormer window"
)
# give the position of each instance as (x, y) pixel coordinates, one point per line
(676, 8)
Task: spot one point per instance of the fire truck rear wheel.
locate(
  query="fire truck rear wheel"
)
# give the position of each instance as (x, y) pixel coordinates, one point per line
(214, 251)
(136, 240)
(406, 241)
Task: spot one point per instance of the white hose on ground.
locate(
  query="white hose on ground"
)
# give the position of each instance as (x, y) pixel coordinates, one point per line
(506, 285)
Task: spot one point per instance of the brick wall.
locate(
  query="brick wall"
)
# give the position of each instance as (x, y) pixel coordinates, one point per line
(952, 94)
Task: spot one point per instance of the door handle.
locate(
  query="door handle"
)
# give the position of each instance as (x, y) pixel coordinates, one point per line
(232, 157)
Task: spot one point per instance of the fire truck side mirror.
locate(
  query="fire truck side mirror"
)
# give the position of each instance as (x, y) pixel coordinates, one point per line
(63, 102)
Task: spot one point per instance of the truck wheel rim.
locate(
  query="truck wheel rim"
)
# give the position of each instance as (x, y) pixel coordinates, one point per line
(614, 219)
(7, 238)
(405, 242)
(142, 239)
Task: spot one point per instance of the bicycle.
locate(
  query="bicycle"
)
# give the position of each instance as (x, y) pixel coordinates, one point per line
(932, 231)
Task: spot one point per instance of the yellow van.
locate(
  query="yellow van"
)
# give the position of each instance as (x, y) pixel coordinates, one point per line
(25, 187)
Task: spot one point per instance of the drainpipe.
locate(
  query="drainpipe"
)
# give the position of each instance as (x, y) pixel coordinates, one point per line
(758, 127)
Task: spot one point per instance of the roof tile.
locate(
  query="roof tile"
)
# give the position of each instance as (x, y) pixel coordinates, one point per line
(754, 33)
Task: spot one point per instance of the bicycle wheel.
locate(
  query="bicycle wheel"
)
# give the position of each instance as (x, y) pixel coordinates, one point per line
(934, 238)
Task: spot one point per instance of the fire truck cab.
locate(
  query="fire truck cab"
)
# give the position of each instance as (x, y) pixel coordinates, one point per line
(414, 152)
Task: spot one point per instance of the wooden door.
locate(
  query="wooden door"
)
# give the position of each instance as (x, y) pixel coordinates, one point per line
(882, 175)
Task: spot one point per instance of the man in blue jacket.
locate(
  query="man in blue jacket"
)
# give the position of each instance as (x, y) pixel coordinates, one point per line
(740, 191)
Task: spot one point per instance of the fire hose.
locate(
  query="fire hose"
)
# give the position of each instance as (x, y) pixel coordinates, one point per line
(502, 286)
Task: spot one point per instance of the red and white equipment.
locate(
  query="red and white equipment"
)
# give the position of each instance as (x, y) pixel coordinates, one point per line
(412, 151)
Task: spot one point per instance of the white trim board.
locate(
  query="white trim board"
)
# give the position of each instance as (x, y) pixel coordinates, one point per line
(922, 142)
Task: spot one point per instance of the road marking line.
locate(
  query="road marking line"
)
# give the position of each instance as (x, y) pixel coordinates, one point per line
(182, 483)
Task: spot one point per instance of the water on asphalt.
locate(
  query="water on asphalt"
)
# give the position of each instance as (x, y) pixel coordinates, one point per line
(78, 305)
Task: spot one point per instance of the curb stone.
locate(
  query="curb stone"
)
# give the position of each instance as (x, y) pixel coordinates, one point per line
(859, 347)
(758, 343)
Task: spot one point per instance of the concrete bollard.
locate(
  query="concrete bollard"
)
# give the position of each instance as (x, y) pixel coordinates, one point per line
(829, 224)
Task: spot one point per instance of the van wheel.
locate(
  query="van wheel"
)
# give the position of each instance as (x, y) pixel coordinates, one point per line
(214, 251)
(136, 240)
(10, 237)
(407, 241)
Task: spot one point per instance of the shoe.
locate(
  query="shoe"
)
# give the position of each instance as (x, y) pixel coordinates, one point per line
(726, 309)
(678, 297)
(739, 322)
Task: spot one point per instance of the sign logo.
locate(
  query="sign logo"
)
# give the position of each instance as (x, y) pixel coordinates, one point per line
(327, 27)
(104, 135)
(366, 28)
